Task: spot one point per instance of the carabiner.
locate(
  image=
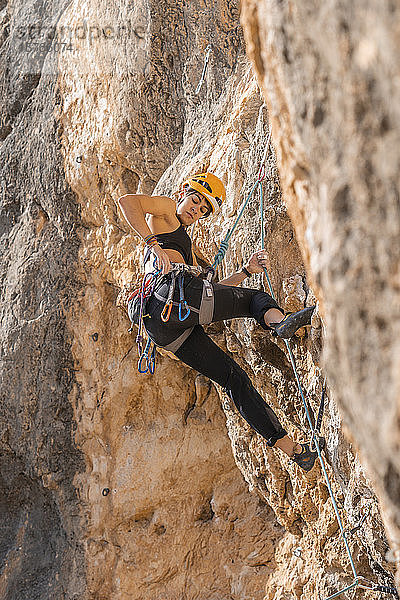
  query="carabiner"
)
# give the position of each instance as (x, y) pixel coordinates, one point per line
(261, 173)
(140, 368)
(152, 361)
(166, 311)
(182, 301)
(185, 307)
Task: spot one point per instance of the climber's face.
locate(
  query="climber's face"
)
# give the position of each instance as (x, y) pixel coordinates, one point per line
(192, 208)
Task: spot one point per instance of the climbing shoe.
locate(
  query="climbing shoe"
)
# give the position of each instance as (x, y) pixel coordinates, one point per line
(306, 458)
(292, 322)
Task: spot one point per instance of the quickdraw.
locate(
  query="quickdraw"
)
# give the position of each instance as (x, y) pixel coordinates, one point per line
(183, 305)
(359, 525)
(366, 584)
(166, 312)
(182, 302)
(147, 359)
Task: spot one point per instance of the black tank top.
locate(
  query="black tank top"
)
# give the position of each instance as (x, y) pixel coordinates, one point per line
(175, 240)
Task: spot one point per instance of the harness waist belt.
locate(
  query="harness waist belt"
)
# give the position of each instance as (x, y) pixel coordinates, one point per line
(194, 270)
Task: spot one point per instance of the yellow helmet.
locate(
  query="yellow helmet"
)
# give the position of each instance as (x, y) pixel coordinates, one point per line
(210, 186)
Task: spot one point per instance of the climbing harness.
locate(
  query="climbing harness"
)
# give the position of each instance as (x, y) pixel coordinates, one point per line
(314, 429)
(207, 58)
(147, 352)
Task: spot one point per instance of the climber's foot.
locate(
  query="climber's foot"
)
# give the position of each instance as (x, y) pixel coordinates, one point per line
(306, 458)
(292, 322)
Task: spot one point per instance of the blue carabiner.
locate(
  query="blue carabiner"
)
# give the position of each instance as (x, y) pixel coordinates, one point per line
(182, 301)
(152, 361)
(185, 307)
(145, 356)
(140, 369)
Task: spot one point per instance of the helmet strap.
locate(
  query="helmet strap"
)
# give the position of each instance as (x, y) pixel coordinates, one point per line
(182, 194)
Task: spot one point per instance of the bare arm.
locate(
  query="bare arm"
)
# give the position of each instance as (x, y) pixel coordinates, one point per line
(134, 207)
(256, 264)
(234, 279)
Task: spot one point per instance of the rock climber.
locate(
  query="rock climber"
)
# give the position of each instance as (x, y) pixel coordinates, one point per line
(174, 314)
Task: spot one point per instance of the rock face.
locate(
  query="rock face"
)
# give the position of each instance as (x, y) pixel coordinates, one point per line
(330, 79)
(120, 485)
(41, 540)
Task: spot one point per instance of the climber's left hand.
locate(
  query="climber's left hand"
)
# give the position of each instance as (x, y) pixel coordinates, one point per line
(257, 261)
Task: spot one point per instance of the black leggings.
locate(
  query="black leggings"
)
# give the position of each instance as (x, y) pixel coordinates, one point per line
(198, 350)
(202, 354)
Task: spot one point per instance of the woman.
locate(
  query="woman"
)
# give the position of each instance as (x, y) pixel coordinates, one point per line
(174, 314)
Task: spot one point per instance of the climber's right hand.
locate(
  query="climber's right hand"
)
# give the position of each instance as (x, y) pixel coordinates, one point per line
(163, 261)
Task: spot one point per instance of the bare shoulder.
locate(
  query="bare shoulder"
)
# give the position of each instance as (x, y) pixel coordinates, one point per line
(159, 206)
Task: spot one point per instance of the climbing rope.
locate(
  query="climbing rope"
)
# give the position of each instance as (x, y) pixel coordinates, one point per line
(219, 257)
(314, 434)
(314, 428)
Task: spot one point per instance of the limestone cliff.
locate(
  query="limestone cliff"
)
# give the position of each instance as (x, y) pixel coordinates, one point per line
(120, 485)
(330, 79)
